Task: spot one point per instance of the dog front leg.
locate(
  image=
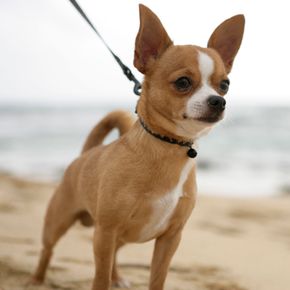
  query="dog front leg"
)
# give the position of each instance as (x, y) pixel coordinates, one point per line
(165, 247)
(104, 251)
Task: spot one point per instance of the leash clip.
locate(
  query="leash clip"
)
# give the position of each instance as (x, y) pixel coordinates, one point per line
(137, 88)
(128, 73)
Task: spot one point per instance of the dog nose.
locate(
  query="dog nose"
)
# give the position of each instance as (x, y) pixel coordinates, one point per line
(217, 103)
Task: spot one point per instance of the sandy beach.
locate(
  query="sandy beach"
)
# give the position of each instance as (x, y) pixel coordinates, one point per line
(228, 244)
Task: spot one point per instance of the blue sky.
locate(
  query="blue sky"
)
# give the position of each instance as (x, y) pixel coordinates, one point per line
(48, 54)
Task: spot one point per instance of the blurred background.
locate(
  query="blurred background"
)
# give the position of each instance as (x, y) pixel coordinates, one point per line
(57, 80)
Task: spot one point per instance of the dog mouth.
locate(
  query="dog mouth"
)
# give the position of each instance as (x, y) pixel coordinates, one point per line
(210, 119)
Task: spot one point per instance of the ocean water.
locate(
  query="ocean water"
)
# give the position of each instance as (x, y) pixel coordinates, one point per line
(248, 154)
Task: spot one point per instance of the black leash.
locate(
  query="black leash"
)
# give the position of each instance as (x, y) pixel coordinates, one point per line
(190, 153)
(125, 69)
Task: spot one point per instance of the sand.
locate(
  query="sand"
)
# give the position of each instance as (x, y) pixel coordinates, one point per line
(228, 244)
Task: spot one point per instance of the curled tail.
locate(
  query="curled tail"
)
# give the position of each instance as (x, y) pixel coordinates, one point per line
(121, 120)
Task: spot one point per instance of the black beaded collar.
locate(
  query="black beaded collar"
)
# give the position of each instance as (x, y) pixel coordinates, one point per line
(190, 153)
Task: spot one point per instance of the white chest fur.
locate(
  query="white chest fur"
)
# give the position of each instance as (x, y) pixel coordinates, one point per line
(164, 207)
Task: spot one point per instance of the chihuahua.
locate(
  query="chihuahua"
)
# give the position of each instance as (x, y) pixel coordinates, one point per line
(142, 186)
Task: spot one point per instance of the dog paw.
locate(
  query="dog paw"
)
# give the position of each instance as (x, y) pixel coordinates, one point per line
(34, 281)
(121, 283)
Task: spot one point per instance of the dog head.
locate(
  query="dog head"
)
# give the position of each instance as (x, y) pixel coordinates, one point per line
(184, 87)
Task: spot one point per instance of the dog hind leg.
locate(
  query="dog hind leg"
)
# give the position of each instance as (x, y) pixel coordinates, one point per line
(60, 216)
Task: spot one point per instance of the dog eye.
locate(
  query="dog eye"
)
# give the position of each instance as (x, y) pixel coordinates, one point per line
(224, 86)
(183, 84)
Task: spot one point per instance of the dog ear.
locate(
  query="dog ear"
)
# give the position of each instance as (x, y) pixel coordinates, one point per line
(227, 38)
(151, 41)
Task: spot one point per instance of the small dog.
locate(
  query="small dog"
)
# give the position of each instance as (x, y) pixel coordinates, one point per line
(142, 186)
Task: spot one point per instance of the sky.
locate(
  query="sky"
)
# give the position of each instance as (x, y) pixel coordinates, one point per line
(49, 55)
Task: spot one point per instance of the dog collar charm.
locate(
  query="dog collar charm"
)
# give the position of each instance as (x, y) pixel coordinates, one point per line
(191, 153)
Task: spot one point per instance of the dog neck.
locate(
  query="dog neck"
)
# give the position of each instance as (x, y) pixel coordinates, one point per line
(146, 142)
(148, 147)
(190, 153)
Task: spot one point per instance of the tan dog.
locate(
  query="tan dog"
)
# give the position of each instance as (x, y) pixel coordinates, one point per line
(142, 187)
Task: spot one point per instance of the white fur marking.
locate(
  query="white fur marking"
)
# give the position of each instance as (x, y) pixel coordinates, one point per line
(206, 66)
(164, 207)
(197, 102)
